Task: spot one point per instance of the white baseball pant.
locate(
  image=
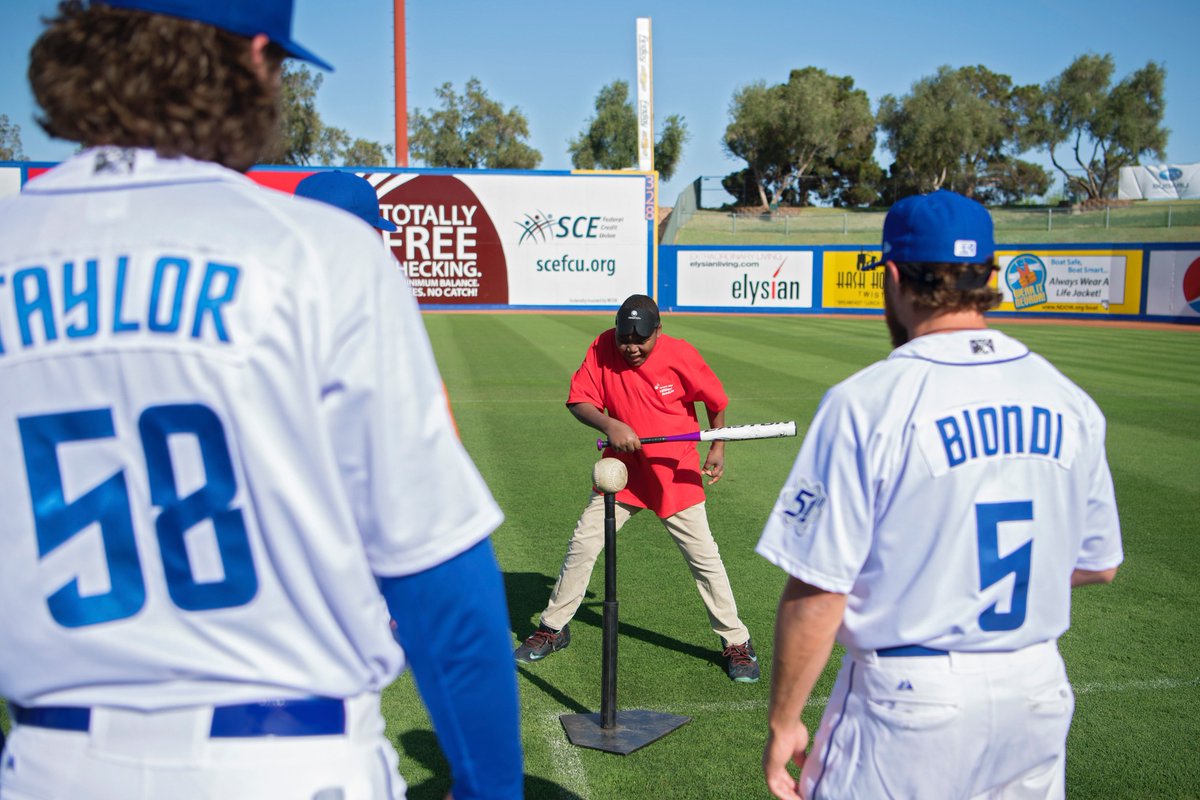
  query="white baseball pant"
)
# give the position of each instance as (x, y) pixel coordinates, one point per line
(959, 725)
(134, 755)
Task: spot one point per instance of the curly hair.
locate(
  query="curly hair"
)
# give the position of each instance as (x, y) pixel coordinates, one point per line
(950, 287)
(109, 76)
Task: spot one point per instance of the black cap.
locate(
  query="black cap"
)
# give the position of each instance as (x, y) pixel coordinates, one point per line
(637, 315)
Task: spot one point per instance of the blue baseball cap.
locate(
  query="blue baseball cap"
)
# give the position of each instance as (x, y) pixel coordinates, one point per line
(938, 228)
(243, 17)
(348, 192)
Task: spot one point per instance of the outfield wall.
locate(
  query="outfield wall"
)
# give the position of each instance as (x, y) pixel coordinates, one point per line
(520, 239)
(500, 238)
(1125, 281)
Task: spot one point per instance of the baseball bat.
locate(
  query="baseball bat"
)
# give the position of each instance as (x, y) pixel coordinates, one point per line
(730, 433)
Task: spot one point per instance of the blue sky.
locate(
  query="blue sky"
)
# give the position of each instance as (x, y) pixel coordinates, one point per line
(549, 59)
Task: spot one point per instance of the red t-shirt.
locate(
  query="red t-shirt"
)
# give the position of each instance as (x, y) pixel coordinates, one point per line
(656, 399)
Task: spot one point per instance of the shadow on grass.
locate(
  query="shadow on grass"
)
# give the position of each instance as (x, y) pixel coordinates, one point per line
(422, 747)
(527, 596)
(593, 614)
(555, 694)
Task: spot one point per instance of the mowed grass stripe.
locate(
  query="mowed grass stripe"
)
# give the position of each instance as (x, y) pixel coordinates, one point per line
(778, 368)
(1162, 459)
(507, 362)
(508, 392)
(1091, 354)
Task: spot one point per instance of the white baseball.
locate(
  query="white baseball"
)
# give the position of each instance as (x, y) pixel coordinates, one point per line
(609, 475)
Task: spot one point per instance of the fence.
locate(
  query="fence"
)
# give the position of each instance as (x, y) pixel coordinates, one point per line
(1172, 221)
(685, 208)
(1151, 215)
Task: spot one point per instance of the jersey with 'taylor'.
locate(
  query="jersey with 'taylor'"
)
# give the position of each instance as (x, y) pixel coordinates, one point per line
(950, 490)
(657, 398)
(221, 420)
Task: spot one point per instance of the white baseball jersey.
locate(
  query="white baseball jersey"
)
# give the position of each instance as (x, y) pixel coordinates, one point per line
(220, 417)
(950, 491)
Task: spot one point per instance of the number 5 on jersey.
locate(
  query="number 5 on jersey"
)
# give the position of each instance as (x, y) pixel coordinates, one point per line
(993, 568)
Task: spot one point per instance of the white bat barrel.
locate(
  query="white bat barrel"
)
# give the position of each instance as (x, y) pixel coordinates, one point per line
(764, 430)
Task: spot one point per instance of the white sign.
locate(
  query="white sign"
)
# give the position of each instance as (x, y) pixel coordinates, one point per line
(1160, 182)
(645, 96)
(1084, 280)
(1173, 283)
(519, 239)
(10, 180)
(745, 278)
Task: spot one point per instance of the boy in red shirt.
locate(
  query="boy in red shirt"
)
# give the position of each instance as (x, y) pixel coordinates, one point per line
(648, 382)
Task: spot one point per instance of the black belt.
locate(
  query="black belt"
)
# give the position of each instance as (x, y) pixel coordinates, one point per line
(910, 650)
(312, 716)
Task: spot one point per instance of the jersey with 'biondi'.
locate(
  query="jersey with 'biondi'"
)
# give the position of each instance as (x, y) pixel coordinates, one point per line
(963, 479)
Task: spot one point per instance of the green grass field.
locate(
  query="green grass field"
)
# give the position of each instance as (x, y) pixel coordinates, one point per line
(1132, 652)
(1177, 221)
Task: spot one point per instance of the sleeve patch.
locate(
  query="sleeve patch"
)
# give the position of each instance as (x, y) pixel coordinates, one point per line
(800, 505)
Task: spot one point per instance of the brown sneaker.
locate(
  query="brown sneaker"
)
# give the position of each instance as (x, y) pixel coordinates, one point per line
(542, 643)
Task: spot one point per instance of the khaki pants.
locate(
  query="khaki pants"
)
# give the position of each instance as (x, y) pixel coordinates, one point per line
(689, 528)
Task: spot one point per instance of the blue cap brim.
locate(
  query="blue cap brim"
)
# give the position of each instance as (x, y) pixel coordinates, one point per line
(304, 54)
(386, 225)
(241, 17)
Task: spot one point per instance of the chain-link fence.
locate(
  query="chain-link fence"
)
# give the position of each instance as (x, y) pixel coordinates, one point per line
(1148, 215)
(1172, 221)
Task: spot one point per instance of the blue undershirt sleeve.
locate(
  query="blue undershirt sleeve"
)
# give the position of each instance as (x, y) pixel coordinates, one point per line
(452, 621)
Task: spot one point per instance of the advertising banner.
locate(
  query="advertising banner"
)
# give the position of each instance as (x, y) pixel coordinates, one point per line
(1085, 282)
(1173, 283)
(745, 278)
(514, 239)
(844, 285)
(10, 180)
(1159, 182)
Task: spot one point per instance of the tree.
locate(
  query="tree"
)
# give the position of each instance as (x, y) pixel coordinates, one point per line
(788, 132)
(958, 129)
(742, 185)
(362, 152)
(668, 150)
(300, 122)
(753, 135)
(306, 139)
(1103, 127)
(10, 140)
(1013, 181)
(609, 140)
(471, 131)
(851, 176)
